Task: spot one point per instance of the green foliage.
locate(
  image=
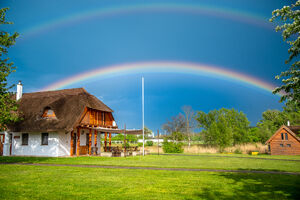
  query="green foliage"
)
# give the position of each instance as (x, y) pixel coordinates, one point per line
(197, 137)
(255, 135)
(8, 106)
(274, 119)
(176, 136)
(140, 144)
(290, 16)
(147, 133)
(129, 138)
(127, 145)
(149, 143)
(224, 127)
(172, 147)
(238, 151)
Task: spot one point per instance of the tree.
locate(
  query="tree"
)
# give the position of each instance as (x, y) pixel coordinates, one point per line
(176, 124)
(290, 15)
(189, 121)
(272, 120)
(147, 133)
(224, 127)
(8, 106)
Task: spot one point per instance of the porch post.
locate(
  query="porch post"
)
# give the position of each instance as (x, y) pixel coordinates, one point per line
(71, 143)
(105, 142)
(109, 142)
(95, 141)
(78, 141)
(125, 140)
(90, 142)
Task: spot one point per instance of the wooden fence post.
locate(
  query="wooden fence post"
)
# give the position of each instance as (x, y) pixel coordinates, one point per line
(90, 141)
(78, 141)
(72, 144)
(95, 141)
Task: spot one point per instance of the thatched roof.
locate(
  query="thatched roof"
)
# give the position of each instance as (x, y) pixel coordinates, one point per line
(67, 104)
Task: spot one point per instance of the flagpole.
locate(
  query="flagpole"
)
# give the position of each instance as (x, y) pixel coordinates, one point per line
(143, 115)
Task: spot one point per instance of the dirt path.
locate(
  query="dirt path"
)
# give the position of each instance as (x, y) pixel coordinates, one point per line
(154, 168)
(229, 157)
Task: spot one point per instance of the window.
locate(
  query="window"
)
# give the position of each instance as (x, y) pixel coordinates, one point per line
(282, 136)
(289, 145)
(269, 147)
(281, 145)
(48, 113)
(44, 138)
(25, 139)
(286, 136)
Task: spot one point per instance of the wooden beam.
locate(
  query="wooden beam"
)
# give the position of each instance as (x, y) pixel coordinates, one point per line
(90, 115)
(95, 142)
(103, 118)
(96, 118)
(110, 142)
(125, 140)
(82, 116)
(90, 142)
(78, 141)
(105, 142)
(71, 144)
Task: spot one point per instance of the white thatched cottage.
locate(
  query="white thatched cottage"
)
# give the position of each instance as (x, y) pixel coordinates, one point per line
(58, 123)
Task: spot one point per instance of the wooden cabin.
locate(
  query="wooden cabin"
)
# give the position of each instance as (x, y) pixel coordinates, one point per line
(59, 123)
(285, 141)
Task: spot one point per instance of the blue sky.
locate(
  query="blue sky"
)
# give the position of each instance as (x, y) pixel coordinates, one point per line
(69, 49)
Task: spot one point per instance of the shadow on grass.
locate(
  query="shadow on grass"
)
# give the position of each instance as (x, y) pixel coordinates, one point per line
(254, 186)
(24, 159)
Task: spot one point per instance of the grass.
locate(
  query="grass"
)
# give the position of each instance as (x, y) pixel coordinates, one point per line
(211, 161)
(43, 182)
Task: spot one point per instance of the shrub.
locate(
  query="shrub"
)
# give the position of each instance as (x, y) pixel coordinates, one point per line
(127, 145)
(171, 147)
(149, 143)
(238, 151)
(140, 144)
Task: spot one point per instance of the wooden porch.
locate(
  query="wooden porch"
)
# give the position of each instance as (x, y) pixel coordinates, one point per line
(96, 123)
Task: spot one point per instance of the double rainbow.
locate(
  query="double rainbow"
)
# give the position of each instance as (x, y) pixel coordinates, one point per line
(198, 9)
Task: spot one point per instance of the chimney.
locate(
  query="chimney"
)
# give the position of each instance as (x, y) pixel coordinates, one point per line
(288, 123)
(19, 91)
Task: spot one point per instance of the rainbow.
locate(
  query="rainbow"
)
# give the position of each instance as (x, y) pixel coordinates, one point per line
(198, 9)
(163, 67)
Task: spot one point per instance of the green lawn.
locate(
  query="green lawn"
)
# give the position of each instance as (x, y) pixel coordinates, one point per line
(281, 157)
(201, 162)
(45, 182)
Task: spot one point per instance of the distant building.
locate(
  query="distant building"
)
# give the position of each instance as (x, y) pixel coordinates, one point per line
(285, 141)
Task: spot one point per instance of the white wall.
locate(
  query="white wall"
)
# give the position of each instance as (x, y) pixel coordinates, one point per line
(64, 144)
(153, 140)
(34, 147)
(58, 144)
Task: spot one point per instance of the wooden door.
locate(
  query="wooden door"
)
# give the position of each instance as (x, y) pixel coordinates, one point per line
(74, 144)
